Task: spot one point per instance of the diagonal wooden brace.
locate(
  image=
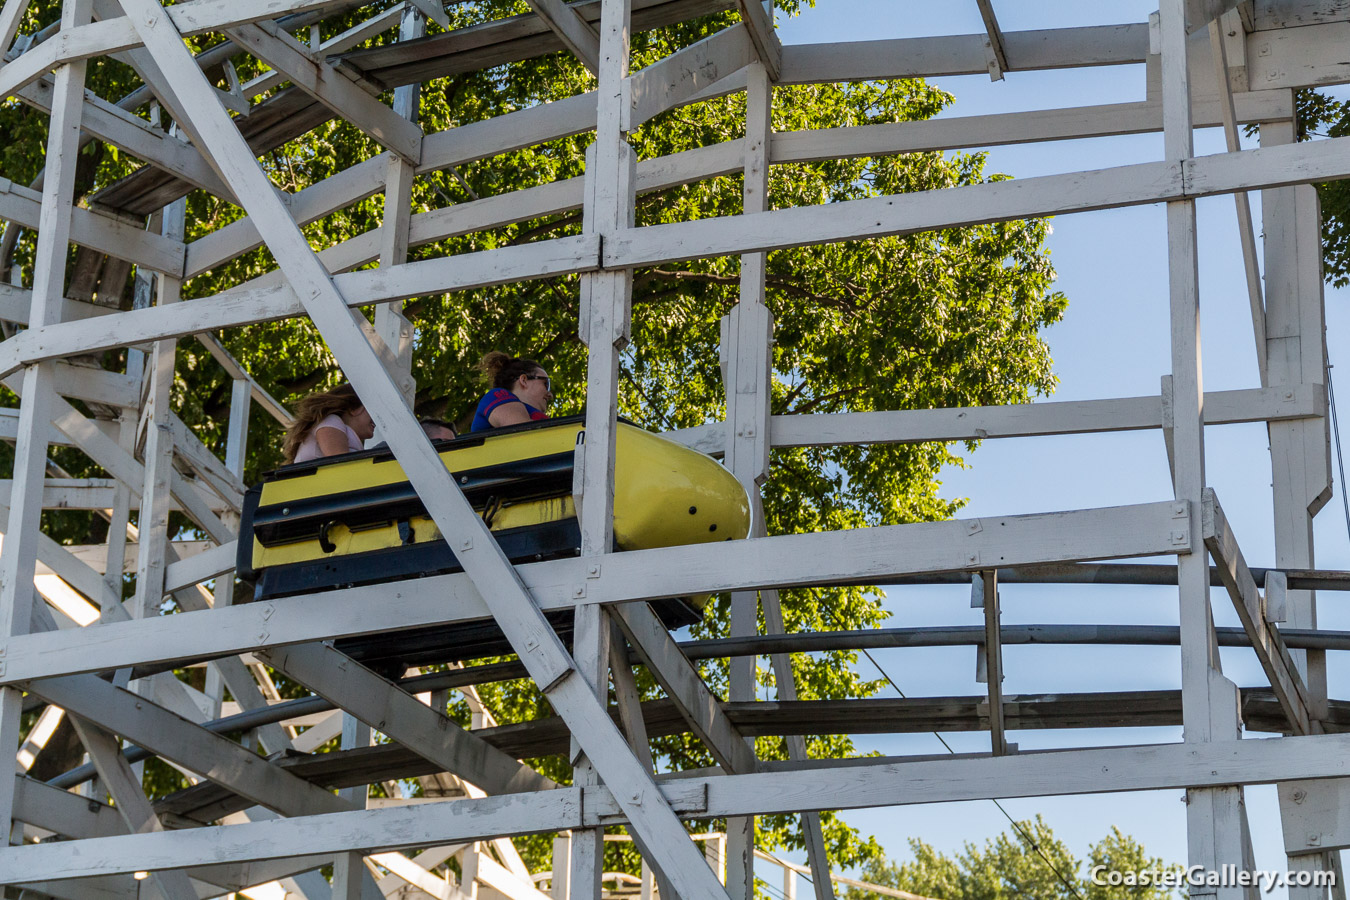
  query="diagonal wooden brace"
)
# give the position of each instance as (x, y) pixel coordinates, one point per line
(672, 669)
(574, 31)
(404, 718)
(186, 743)
(1266, 641)
(495, 578)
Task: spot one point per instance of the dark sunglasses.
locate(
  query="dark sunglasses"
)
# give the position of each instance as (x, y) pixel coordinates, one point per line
(548, 382)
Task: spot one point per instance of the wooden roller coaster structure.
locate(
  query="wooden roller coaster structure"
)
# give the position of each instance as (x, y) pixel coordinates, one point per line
(265, 809)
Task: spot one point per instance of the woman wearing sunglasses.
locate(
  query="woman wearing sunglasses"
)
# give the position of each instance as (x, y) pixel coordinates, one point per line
(520, 391)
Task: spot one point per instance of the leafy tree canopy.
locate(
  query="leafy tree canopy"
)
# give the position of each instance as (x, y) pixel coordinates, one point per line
(1026, 863)
(1320, 115)
(945, 318)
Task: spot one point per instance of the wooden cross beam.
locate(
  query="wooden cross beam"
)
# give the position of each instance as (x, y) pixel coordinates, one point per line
(1251, 609)
(998, 58)
(681, 681)
(190, 745)
(132, 804)
(858, 784)
(780, 561)
(427, 732)
(578, 35)
(284, 53)
(767, 45)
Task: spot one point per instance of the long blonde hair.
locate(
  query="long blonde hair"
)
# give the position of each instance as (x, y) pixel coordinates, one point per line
(311, 410)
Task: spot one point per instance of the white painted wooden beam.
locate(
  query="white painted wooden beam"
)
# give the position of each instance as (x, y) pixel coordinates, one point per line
(869, 555)
(274, 46)
(18, 561)
(990, 655)
(1048, 195)
(577, 35)
(132, 804)
(1000, 201)
(63, 812)
(97, 231)
(682, 683)
(231, 309)
(113, 125)
(853, 786)
(231, 365)
(357, 34)
(1097, 45)
(759, 22)
(1251, 608)
(1312, 815)
(404, 718)
(210, 755)
(199, 567)
(998, 57)
(1246, 233)
(679, 78)
(1140, 117)
(113, 35)
(653, 93)
(977, 423)
(421, 825)
(11, 17)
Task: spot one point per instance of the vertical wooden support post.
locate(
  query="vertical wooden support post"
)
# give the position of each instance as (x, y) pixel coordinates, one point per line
(1300, 454)
(605, 306)
(236, 449)
(590, 647)
(1209, 701)
(991, 655)
(562, 865)
(606, 296)
(120, 518)
(747, 365)
(153, 523)
(349, 869)
(120, 514)
(747, 370)
(390, 323)
(18, 561)
(1218, 49)
(648, 888)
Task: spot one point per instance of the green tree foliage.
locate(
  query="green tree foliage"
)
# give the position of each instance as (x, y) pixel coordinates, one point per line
(1026, 863)
(946, 318)
(1322, 116)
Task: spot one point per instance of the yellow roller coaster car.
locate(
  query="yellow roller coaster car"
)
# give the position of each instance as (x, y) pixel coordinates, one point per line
(355, 519)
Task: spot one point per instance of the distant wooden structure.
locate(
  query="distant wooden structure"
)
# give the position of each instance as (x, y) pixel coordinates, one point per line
(70, 647)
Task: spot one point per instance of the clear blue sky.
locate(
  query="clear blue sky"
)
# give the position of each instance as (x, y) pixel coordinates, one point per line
(1113, 342)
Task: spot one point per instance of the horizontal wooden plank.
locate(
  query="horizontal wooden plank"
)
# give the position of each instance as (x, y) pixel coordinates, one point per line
(862, 556)
(97, 231)
(1099, 45)
(952, 207)
(421, 825)
(114, 35)
(856, 785)
(234, 308)
(978, 423)
(1131, 185)
(999, 129)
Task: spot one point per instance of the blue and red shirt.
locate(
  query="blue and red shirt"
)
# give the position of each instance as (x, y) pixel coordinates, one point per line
(499, 397)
